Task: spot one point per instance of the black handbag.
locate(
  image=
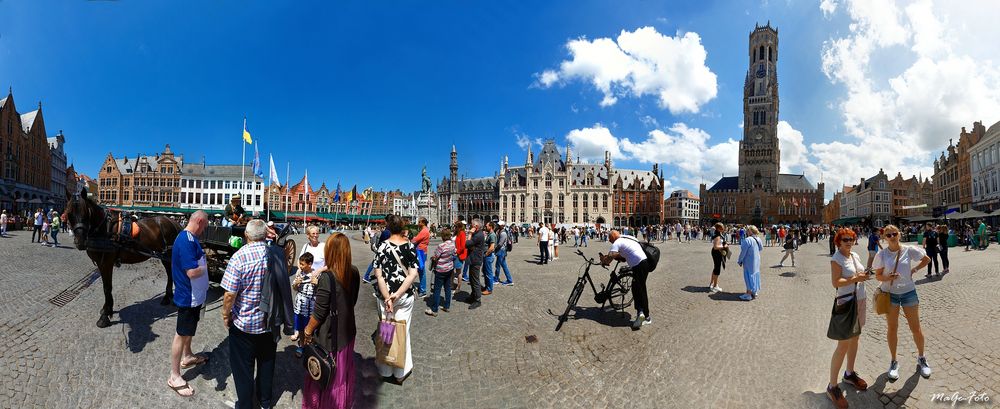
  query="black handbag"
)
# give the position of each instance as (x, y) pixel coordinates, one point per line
(844, 318)
(316, 359)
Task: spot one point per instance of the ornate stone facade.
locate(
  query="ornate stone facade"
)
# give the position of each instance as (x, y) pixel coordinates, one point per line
(760, 194)
(148, 181)
(914, 191)
(25, 159)
(551, 188)
(985, 171)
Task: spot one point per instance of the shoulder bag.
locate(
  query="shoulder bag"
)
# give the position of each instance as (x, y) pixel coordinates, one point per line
(882, 297)
(844, 318)
(316, 359)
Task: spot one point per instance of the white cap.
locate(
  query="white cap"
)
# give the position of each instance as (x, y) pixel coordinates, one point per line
(502, 223)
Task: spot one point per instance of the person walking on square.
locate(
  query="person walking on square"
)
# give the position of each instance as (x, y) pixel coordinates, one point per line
(576, 237)
(627, 249)
(252, 342)
(476, 247)
(395, 272)
(874, 245)
(503, 243)
(489, 258)
(555, 238)
(39, 218)
(719, 249)
(443, 263)
(189, 272)
(931, 248)
(789, 247)
(54, 228)
(3, 223)
(583, 237)
(543, 244)
(332, 326)
(382, 236)
(421, 241)
(750, 249)
(45, 230)
(848, 279)
(894, 267)
(943, 235)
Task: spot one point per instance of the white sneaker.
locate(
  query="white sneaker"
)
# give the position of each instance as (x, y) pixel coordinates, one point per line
(893, 374)
(925, 370)
(718, 289)
(638, 321)
(647, 321)
(712, 290)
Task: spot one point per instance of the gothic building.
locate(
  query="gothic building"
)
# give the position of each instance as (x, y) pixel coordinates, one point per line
(551, 188)
(760, 194)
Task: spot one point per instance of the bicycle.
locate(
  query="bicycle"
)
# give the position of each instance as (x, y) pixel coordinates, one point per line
(615, 294)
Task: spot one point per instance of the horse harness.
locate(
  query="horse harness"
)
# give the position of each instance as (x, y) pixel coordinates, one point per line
(116, 234)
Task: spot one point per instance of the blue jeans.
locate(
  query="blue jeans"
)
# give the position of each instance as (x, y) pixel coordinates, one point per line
(441, 280)
(421, 259)
(502, 264)
(583, 240)
(488, 262)
(465, 270)
(368, 274)
(55, 240)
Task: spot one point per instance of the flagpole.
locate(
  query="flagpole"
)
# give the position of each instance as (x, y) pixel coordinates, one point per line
(267, 206)
(243, 163)
(306, 204)
(288, 174)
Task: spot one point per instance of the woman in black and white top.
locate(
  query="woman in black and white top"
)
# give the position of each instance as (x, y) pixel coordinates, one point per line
(396, 268)
(848, 276)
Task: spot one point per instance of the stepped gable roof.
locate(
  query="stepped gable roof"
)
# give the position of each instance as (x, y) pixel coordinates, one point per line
(580, 173)
(28, 119)
(797, 182)
(629, 176)
(727, 183)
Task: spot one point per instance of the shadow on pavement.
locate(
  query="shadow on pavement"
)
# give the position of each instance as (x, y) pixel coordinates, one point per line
(367, 382)
(288, 373)
(904, 391)
(600, 315)
(928, 280)
(723, 296)
(787, 274)
(695, 289)
(139, 318)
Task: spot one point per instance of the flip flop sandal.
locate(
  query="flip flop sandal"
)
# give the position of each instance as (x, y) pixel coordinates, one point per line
(197, 361)
(177, 389)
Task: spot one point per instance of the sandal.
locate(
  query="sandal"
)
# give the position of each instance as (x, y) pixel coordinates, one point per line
(198, 360)
(294, 338)
(177, 389)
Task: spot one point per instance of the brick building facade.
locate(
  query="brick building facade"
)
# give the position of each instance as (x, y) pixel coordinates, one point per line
(143, 180)
(25, 159)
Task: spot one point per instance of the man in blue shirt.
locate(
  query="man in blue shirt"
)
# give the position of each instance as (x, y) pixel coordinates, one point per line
(190, 274)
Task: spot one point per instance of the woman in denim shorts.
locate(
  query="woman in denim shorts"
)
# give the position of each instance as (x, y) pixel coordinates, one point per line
(897, 280)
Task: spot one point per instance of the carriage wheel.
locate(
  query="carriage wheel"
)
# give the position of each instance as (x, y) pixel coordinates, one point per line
(290, 253)
(621, 296)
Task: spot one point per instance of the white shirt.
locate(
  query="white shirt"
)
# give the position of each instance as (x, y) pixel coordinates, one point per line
(849, 267)
(3, 218)
(317, 252)
(887, 259)
(544, 234)
(628, 247)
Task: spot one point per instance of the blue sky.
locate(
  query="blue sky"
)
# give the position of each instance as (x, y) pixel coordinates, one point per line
(369, 92)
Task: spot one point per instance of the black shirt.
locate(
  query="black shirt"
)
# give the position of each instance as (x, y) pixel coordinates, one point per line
(392, 271)
(476, 247)
(930, 239)
(234, 212)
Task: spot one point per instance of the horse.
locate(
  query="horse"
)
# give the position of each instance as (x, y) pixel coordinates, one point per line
(95, 231)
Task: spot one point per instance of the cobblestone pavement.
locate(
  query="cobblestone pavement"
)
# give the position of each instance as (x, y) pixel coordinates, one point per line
(701, 350)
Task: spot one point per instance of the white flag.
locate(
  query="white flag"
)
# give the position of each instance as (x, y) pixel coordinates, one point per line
(274, 172)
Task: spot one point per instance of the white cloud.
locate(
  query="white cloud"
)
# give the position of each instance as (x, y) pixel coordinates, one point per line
(944, 83)
(828, 7)
(524, 141)
(638, 63)
(793, 149)
(681, 146)
(591, 143)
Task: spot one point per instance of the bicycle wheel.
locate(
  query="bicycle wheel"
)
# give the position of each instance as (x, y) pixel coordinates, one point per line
(619, 295)
(574, 295)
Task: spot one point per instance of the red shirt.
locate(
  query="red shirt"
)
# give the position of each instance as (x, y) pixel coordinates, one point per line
(460, 246)
(422, 240)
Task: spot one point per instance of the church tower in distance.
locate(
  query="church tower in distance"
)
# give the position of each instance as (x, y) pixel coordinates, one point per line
(760, 157)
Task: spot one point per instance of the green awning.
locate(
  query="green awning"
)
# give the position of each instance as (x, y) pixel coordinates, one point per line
(846, 220)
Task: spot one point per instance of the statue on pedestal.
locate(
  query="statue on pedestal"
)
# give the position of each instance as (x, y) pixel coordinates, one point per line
(425, 186)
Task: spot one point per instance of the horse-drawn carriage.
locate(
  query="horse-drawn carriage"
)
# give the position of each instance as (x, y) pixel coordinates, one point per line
(219, 246)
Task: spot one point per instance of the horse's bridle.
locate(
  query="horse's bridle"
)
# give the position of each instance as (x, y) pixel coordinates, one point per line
(88, 228)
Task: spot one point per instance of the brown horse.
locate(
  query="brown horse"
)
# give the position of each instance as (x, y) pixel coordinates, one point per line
(95, 230)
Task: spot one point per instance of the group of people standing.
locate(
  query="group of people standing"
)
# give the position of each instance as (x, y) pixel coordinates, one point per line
(257, 305)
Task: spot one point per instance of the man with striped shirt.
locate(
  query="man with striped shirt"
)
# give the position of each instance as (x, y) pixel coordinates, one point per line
(250, 343)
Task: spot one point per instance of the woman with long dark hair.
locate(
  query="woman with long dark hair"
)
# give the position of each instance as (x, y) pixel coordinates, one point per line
(332, 326)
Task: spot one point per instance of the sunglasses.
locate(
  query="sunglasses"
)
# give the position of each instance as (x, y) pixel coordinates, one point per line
(847, 240)
(891, 234)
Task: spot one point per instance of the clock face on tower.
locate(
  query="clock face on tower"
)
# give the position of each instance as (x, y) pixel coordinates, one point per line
(761, 71)
(758, 135)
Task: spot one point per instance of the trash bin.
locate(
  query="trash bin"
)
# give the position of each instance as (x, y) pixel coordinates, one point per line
(952, 240)
(920, 239)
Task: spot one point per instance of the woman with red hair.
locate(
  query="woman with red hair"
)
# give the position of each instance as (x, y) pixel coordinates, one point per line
(847, 274)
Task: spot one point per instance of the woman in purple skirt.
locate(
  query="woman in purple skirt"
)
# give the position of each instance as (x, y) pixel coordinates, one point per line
(332, 326)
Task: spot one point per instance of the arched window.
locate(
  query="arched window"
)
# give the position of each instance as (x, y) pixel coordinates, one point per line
(595, 200)
(585, 201)
(576, 201)
(534, 200)
(522, 202)
(562, 200)
(548, 180)
(761, 55)
(605, 200)
(770, 57)
(548, 200)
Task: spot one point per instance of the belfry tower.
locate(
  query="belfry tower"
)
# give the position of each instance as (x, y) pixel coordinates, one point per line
(760, 157)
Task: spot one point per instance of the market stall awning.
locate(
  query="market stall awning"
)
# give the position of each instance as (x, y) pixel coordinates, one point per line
(971, 214)
(846, 220)
(918, 219)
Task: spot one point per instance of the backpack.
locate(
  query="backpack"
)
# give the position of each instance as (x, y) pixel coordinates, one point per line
(652, 253)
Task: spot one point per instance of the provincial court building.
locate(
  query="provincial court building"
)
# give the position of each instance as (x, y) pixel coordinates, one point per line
(761, 194)
(551, 188)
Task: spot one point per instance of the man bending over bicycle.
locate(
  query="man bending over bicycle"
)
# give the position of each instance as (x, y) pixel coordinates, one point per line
(629, 251)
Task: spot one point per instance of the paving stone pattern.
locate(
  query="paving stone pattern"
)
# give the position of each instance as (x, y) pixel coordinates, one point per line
(702, 351)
